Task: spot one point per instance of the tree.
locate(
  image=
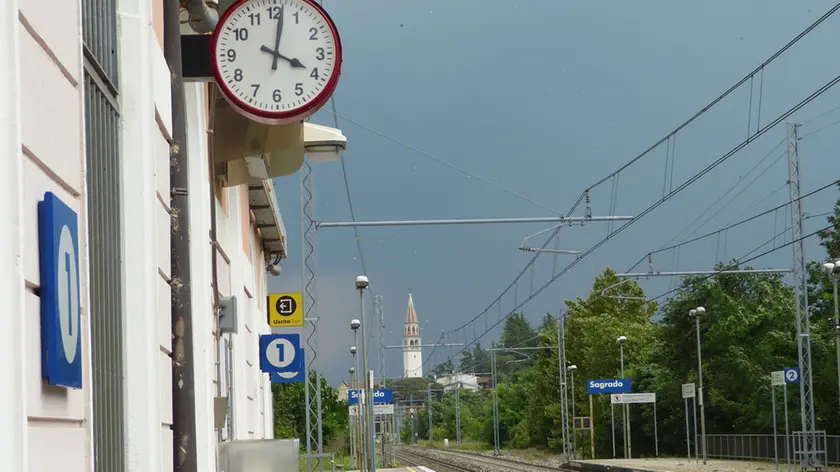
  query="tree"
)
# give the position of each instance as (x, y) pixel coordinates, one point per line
(290, 412)
(444, 368)
(746, 332)
(594, 324)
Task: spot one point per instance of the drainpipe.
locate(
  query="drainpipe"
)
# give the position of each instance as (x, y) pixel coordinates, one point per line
(202, 19)
(183, 373)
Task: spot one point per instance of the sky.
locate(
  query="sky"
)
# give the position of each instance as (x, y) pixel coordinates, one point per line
(542, 99)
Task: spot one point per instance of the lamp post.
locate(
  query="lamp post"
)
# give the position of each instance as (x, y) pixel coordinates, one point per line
(696, 314)
(353, 423)
(833, 271)
(572, 368)
(361, 284)
(624, 409)
(360, 424)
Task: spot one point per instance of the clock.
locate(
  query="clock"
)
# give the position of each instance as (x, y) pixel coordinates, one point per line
(276, 61)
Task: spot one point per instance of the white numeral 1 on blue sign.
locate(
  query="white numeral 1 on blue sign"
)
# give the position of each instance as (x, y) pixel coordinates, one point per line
(68, 301)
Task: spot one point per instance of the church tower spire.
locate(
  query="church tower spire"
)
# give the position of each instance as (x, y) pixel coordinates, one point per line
(412, 352)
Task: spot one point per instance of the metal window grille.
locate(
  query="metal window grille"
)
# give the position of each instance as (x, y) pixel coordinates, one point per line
(102, 143)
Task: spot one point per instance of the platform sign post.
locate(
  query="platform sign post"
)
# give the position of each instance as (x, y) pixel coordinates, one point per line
(609, 386)
(777, 379)
(630, 398)
(688, 391)
(791, 375)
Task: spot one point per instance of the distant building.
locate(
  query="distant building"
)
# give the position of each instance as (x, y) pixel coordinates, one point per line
(345, 388)
(484, 382)
(412, 352)
(450, 382)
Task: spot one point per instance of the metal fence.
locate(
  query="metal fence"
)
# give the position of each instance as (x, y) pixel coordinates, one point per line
(102, 146)
(760, 447)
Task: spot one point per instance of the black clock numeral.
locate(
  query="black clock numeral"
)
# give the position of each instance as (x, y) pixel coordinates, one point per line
(298, 89)
(276, 95)
(273, 13)
(297, 17)
(256, 88)
(314, 74)
(241, 34)
(231, 55)
(320, 52)
(255, 19)
(314, 35)
(237, 75)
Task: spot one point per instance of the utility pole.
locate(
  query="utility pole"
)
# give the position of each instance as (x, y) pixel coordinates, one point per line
(458, 412)
(314, 430)
(561, 364)
(496, 450)
(809, 458)
(429, 408)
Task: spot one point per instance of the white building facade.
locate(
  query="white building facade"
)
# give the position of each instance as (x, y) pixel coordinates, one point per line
(86, 114)
(412, 347)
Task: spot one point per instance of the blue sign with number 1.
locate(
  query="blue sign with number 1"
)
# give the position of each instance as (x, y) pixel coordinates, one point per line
(282, 357)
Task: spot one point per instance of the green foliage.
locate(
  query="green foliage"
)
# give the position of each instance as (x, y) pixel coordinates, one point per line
(290, 413)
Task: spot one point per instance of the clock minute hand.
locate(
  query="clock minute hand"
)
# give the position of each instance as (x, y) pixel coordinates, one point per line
(277, 39)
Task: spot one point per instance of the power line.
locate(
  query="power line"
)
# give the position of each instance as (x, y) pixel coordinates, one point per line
(445, 163)
(746, 220)
(760, 132)
(745, 261)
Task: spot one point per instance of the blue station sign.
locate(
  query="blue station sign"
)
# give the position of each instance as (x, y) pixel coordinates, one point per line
(599, 386)
(380, 395)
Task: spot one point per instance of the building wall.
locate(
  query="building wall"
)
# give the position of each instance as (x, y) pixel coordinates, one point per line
(42, 142)
(145, 106)
(49, 88)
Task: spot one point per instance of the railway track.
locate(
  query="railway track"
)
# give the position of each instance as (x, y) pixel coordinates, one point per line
(472, 458)
(414, 459)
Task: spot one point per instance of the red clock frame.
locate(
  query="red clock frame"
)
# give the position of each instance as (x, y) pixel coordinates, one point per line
(284, 116)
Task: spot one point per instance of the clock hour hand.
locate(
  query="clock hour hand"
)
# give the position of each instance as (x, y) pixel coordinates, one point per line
(294, 61)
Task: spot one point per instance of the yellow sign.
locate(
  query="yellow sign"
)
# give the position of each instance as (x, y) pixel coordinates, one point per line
(285, 309)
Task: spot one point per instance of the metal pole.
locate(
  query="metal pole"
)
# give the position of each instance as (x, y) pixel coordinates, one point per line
(458, 414)
(371, 423)
(591, 428)
(495, 404)
(474, 221)
(687, 432)
(612, 426)
(367, 428)
(655, 431)
(700, 388)
(183, 365)
(429, 408)
(803, 320)
(787, 429)
(561, 368)
(696, 440)
(635, 275)
(574, 427)
(312, 386)
(775, 441)
(624, 428)
(836, 329)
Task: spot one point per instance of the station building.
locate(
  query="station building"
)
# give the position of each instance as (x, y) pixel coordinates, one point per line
(89, 125)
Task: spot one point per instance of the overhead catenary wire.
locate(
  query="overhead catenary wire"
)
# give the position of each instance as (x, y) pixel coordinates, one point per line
(743, 261)
(677, 190)
(736, 224)
(445, 163)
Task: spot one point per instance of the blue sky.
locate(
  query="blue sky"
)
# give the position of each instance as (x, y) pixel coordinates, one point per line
(545, 97)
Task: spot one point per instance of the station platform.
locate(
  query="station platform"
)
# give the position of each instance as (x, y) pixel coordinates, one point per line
(673, 465)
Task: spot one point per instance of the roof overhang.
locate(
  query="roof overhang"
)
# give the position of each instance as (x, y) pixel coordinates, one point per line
(263, 202)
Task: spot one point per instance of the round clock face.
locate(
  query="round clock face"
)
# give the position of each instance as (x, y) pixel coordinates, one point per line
(276, 60)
